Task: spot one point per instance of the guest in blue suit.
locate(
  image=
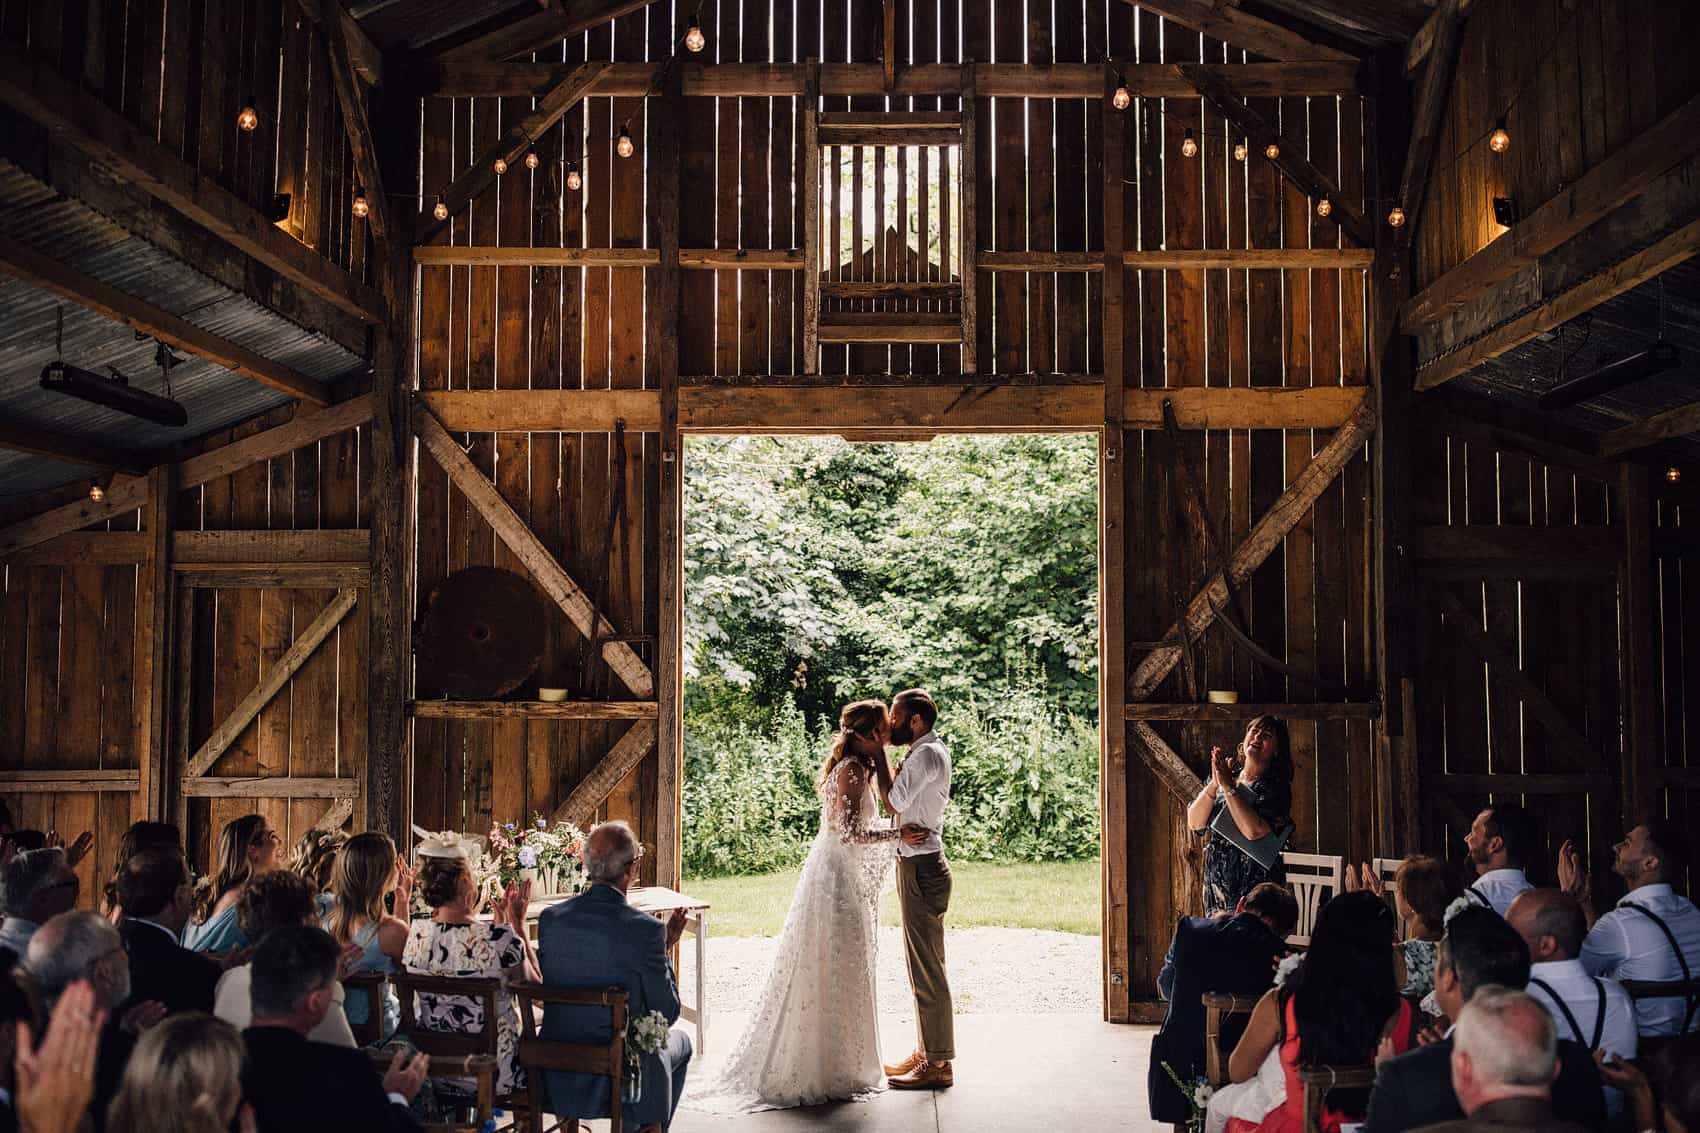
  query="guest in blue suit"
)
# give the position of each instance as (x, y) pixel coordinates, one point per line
(596, 941)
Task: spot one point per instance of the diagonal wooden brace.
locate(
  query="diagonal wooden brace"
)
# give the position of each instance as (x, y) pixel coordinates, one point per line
(595, 787)
(1170, 768)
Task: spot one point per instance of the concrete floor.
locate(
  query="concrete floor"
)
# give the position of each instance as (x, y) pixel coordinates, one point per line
(1013, 1072)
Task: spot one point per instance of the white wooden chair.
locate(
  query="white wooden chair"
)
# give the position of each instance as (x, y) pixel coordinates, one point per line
(1387, 869)
(1313, 879)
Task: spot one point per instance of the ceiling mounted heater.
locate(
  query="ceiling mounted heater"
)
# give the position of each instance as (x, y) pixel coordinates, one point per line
(114, 393)
(1656, 359)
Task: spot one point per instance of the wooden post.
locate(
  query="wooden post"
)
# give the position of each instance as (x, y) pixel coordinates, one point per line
(153, 645)
(811, 220)
(1112, 540)
(967, 226)
(1641, 757)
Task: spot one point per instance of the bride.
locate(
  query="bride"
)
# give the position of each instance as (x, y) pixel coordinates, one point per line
(814, 1034)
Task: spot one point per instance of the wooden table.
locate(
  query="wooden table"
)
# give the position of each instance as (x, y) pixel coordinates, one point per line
(659, 902)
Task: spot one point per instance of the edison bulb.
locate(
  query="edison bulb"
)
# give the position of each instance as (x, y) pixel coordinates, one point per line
(1272, 151)
(440, 210)
(97, 493)
(1500, 140)
(1396, 217)
(501, 166)
(361, 206)
(624, 146)
(1324, 206)
(532, 161)
(1189, 145)
(248, 119)
(1123, 98)
(1240, 150)
(575, 181)
(694, 39)
(1672, 474)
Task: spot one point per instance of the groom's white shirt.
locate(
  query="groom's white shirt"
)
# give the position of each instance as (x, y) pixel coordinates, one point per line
(921, 790)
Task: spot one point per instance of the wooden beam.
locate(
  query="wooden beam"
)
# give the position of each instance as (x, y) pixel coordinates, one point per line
(811, 218)
(123, 496)
(438, 255)
(509, 147)
(1423, 40)
(532, 709)
(269, 787)
(941, 408)
(94, 452)
(753, 259)
(531, 552)
(300, 431)
(48, 274)
(794, 259)
(152, 653)
(88, 548)
(1227, 713)
(32, 88)
(1599, 548)
(356, 124)
(271, 547)
(1256, 407)
(270, 684)
(363, 55)
(1290, 159)
(968, 240)
(1040, 261)
(1435, 89)
(272, 576)
(593, 790)
(1265, 536)
(544, 411)
(68, 782)
(1171, 770)
(878, 332)
(1242, 29)
(1678, 422)
(1615, 181)
(1557, 309)
(1538, 435)
(921, 80)
(1273, 259)
(339, 812)
(541, 30)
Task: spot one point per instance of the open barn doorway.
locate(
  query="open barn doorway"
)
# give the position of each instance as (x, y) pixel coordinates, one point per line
(819, 571)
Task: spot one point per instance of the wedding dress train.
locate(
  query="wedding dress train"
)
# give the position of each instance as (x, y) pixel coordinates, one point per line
(814, 1032)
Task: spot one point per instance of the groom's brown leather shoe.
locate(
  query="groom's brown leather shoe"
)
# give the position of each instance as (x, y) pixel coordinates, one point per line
(897, 1070)
(926, 1076)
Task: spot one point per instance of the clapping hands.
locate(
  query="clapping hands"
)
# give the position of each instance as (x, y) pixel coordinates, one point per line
(406, 1073)
(1366, 878)
(403, 889)
(77, 850)
(1572, 873)
(1222, 769)
(56, 1080)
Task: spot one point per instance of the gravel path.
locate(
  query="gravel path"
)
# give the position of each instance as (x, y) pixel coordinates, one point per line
(1003, 970)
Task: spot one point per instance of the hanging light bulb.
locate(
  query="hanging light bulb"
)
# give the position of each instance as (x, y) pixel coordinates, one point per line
(248, 119)
(1396, 216)
(1272, 151)
(532, 161)
(361, 205)
(1240, 150)
(575, 181)
(695, 41)
(623, 145)
(1324, 206)
(501, 166)
(1189, 144)
(440, 210)
(1500, 140)
(1673, 474)
(97, 493)
(1122, 98)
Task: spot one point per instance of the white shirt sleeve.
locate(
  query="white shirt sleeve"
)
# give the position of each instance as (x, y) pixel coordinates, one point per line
(920, 769)
(1606, 946)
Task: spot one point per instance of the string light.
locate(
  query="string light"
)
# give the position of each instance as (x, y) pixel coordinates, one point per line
(1396, 216)
(1672, 474)
(97, 493)
(695, 41)
(1500, 140)
(1122, 98)
(532, 161)
(1240, 150)
(575, 181)
(623, 145)
(440, 210)
(248, 119)
(1189, 144)
(361, 205)
(1324, 206)
(1272, 151)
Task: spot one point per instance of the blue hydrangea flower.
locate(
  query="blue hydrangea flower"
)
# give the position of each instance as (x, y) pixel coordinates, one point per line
(527, 858)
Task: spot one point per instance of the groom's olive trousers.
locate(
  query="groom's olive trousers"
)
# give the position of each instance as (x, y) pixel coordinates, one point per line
(923, 891)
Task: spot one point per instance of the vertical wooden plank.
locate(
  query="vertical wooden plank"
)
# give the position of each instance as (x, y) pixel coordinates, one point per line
(1041, 205)
(812, 223)
(972, 225)
(1007, 200)
(666, 196)
(82, 612)
(1642, 757)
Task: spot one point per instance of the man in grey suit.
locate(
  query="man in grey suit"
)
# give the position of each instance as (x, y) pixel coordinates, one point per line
(595, 941)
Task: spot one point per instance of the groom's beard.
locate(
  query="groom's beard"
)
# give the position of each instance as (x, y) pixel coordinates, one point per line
(904, 733)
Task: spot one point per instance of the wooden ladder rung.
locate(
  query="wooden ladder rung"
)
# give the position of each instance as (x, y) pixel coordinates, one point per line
(874, 129)
(891, 332)
(891, 289)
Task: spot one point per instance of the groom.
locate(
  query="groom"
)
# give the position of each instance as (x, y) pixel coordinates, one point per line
(918, 796)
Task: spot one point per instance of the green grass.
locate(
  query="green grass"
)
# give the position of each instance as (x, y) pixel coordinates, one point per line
(1063, 896)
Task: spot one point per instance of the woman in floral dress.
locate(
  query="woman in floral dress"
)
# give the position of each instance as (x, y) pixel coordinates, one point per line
(453, 942)
(1265, 769)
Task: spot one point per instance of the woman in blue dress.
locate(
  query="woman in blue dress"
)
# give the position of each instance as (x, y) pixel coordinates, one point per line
(367, 870)
(247, 847)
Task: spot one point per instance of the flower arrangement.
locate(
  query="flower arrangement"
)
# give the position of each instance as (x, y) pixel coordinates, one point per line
(1288, 967)
(1198, 1095)
(550, 856)
(645, 1034)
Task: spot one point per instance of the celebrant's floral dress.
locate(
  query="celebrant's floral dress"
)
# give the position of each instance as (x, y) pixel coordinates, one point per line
(477, 950)
(1228, 873)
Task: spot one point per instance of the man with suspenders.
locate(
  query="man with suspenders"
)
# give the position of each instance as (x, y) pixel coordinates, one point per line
(1653, 933)
(1592, 1010)
(1500, 842)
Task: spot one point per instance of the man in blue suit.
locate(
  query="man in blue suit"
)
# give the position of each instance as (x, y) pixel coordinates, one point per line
(1235, 955)
(596, 941)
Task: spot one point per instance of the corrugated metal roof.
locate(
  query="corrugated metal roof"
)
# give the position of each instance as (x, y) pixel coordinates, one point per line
(80, 238)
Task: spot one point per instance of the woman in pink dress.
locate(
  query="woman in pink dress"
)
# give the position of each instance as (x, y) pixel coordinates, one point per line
(1339, 1007)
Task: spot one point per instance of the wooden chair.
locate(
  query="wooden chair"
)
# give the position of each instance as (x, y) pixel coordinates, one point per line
(540, 1055)
(1217, 1007)
(1318, 1081)
(372, 985)
(1686, 990)
(481, 1068)
(451, 1045)
(1388, 869)
(1313, 879)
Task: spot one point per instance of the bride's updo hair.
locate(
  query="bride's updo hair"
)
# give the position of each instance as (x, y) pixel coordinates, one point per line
(863, 717)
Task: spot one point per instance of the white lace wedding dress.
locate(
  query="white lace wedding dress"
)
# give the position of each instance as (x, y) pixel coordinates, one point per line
(814, 1033)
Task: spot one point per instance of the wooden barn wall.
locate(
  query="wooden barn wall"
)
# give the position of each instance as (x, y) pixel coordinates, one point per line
(180, 70)
(1676, 626)
(1575, 81)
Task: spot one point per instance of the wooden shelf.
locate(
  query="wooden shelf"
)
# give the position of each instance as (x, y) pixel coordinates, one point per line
(532, 709)
(1355, 710)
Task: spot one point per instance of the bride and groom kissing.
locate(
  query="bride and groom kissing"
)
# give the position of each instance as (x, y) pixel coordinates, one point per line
(814, 1033)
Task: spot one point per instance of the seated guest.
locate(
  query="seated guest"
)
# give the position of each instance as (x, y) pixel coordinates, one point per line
(136, 837)
(1235, 955)
(1504, 1056)
(155, 892)
(1653, 933)
(1592, 1010)
(1674, 1107)
(1415, 1088)
(453, 942)
(1500, 842)
(1335, 1008)
(366, 870)
(597, 940)
(247, 848)
(315, 856)
(297, 1084)
(1420, 894)
(39, 885)
(275, 900)
(185, 1076)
